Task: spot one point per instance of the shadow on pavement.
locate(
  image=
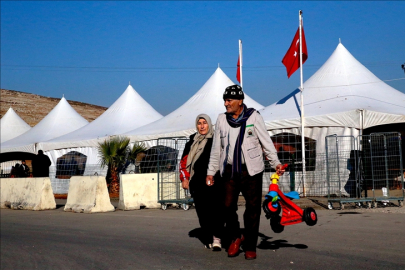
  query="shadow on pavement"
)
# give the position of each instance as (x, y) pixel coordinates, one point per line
(277, 244)
(349, 213)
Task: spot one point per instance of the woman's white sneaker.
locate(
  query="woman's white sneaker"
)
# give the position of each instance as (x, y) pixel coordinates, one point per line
(216, 244)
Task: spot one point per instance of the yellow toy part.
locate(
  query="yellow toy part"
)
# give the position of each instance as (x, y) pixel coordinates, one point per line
(274, 178)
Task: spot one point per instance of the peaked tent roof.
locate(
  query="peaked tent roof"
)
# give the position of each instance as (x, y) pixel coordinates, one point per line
(128, 112)
(181, 122)
(334, 95)
(12, 126)
(61, 120)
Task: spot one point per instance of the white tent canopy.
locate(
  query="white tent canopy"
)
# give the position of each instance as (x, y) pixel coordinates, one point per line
(343, 97)
(61, 120)
(12, 126)
(128, 112)
(336, 95)
(181, 122)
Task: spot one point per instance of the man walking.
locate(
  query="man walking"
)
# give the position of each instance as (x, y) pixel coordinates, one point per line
(237, 152)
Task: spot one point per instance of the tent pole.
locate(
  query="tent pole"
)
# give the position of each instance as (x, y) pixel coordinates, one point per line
(302, 109)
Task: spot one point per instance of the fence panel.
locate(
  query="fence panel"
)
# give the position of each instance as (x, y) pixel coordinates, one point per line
(366, 169)
(315, 179)
(168, 160)
(381, 166)
(343, 182)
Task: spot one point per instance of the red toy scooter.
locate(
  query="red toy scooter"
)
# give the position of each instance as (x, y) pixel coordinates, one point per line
(291, 213)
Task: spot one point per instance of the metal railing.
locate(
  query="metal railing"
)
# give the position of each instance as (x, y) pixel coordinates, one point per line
(168, 159)
(315, 178)
(366, 169)
(60, 180)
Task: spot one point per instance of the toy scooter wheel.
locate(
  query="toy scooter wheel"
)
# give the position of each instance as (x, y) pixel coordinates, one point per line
(310, 216)
(275, 224)
(269, 208)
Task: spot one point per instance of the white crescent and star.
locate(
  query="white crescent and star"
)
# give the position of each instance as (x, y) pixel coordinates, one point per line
(296, 43)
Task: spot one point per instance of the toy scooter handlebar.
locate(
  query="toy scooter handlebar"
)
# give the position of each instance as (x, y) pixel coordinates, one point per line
(284, 166)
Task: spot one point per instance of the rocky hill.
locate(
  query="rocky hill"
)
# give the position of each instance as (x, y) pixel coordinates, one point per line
(33, 108)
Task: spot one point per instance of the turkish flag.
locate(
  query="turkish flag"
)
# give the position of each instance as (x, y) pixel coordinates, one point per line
(238, 70)
(291, 59)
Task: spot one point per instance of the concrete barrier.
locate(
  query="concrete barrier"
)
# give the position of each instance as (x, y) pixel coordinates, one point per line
(88, 194)
(138, 190)
(27, 193)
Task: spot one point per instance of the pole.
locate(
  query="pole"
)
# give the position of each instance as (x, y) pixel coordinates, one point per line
(302, 109)
(240, 62)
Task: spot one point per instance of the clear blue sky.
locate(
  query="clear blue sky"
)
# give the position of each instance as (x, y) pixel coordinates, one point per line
(90, 50)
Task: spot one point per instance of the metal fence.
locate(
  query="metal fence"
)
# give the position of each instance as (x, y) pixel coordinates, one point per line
(165, 158)
(60, 181)
(364, 169)
(292, 180)
(168, 159)
(353, 169)
(59, 175)
(7, 168)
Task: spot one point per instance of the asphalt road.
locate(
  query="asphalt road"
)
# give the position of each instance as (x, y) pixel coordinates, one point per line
(157, 239)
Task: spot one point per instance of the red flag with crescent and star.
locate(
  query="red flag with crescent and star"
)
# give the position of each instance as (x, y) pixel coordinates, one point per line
(238, 70)
(291, 59)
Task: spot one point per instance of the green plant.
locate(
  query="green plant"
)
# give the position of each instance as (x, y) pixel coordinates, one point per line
(113, 153)
(137, 148)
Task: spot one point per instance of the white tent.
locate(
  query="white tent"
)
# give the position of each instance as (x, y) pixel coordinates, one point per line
(343, 97)
(128, 112)
(336, 95)
(181, 122)
(61, 120)
(12, 126)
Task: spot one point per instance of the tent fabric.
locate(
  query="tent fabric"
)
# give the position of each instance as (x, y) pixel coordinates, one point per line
(61, 120)
(336, 95)
(181, 122)
(128, 112)
(342, 98)
(12, 126)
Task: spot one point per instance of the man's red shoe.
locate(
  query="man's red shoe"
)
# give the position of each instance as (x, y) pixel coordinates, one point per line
(250, 255)
(233, 249)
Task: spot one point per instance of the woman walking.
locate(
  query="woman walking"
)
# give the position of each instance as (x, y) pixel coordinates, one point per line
(193, 171)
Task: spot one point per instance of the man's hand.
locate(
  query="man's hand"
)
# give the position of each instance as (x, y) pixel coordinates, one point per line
(185, 183)
(209, 180)
(280, 170)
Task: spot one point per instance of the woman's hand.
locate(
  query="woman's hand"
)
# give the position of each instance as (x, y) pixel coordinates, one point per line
(185, 183)
(209, 180)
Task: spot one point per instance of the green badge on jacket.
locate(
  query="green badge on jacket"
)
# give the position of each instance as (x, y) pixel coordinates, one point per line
(250, 130)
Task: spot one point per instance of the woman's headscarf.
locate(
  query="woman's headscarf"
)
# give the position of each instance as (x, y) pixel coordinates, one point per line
(199, 142)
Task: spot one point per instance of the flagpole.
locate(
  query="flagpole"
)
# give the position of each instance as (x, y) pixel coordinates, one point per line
(240, 63)
(302, 109)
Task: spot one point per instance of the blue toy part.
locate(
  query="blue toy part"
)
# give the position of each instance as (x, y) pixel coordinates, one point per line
(292, 195)
(272, 195)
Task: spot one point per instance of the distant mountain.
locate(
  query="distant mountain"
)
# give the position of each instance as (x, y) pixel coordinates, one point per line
(33, 108)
